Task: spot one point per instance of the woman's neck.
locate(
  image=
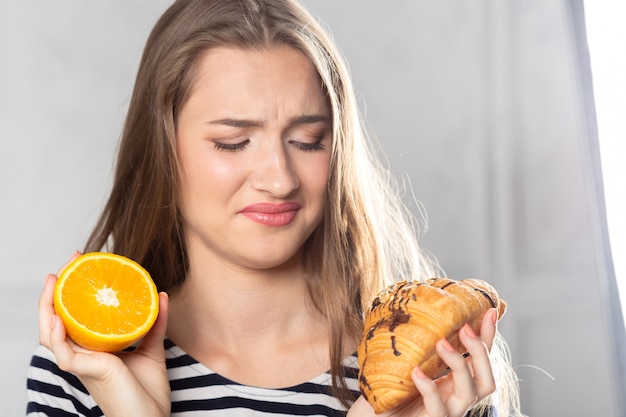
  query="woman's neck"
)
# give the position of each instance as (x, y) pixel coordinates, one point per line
(245, 302)
(249, 325)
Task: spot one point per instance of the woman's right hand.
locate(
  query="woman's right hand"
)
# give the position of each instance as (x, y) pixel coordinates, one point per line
(122, 384)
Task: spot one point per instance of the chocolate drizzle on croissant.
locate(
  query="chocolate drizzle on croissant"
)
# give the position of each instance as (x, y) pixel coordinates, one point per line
(402, 327)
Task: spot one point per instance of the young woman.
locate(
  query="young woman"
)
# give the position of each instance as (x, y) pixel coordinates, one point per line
(246, 187)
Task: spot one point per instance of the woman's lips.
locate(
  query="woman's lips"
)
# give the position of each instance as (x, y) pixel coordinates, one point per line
(271, 214)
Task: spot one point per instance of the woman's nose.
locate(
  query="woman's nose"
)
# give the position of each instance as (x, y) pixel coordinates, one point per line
(275, 174)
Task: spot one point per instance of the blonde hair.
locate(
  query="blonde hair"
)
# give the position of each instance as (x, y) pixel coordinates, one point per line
(367, 238)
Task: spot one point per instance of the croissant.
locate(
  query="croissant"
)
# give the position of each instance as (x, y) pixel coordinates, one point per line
(403, 326)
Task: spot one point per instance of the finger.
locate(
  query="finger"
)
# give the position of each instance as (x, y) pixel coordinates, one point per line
(46, 310)
(62, 347)
(433, 403)
(51, 328)
(480, 363)
(59, 345)
(152, 343)
(464, 390)
(488, 327)
(79, 361)
(75, 255)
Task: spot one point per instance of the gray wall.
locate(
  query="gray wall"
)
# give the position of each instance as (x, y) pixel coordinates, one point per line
(482, 105)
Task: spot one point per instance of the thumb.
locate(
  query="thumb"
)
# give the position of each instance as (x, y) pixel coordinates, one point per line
(152, 343)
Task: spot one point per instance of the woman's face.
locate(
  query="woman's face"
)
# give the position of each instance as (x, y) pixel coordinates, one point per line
(253, 142)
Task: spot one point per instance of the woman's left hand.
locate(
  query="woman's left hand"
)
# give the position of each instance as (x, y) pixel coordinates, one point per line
(469, 380)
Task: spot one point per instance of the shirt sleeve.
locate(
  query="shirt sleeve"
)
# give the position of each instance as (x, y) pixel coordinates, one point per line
(52, 392)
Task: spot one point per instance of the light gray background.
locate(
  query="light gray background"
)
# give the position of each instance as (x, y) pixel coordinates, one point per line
(483, 105)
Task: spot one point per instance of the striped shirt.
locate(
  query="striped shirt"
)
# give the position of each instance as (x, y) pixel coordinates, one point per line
(196, 390)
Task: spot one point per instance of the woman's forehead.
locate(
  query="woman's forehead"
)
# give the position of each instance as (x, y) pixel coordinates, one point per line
(257, 82)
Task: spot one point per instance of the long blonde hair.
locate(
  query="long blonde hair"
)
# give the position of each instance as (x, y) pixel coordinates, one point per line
(367, 238)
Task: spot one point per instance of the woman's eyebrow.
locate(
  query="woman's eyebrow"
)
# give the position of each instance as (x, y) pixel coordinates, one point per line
(244, 123)
(236, 122)
(309, 119)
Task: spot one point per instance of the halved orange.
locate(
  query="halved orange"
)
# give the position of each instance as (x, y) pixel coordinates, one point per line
(106, 301)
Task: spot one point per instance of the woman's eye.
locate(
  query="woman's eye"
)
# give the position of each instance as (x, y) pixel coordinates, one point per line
(306, 146)
(231, 147)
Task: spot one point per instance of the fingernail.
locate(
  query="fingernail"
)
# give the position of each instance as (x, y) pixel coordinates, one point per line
(418, 373)
(49, 278)
(446, 345)
(494, 315)
(469, 331)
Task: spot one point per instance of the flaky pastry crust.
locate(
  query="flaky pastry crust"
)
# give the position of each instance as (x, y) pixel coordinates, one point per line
(402, 327)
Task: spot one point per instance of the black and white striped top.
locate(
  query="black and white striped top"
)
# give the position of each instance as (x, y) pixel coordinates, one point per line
(196, 390)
